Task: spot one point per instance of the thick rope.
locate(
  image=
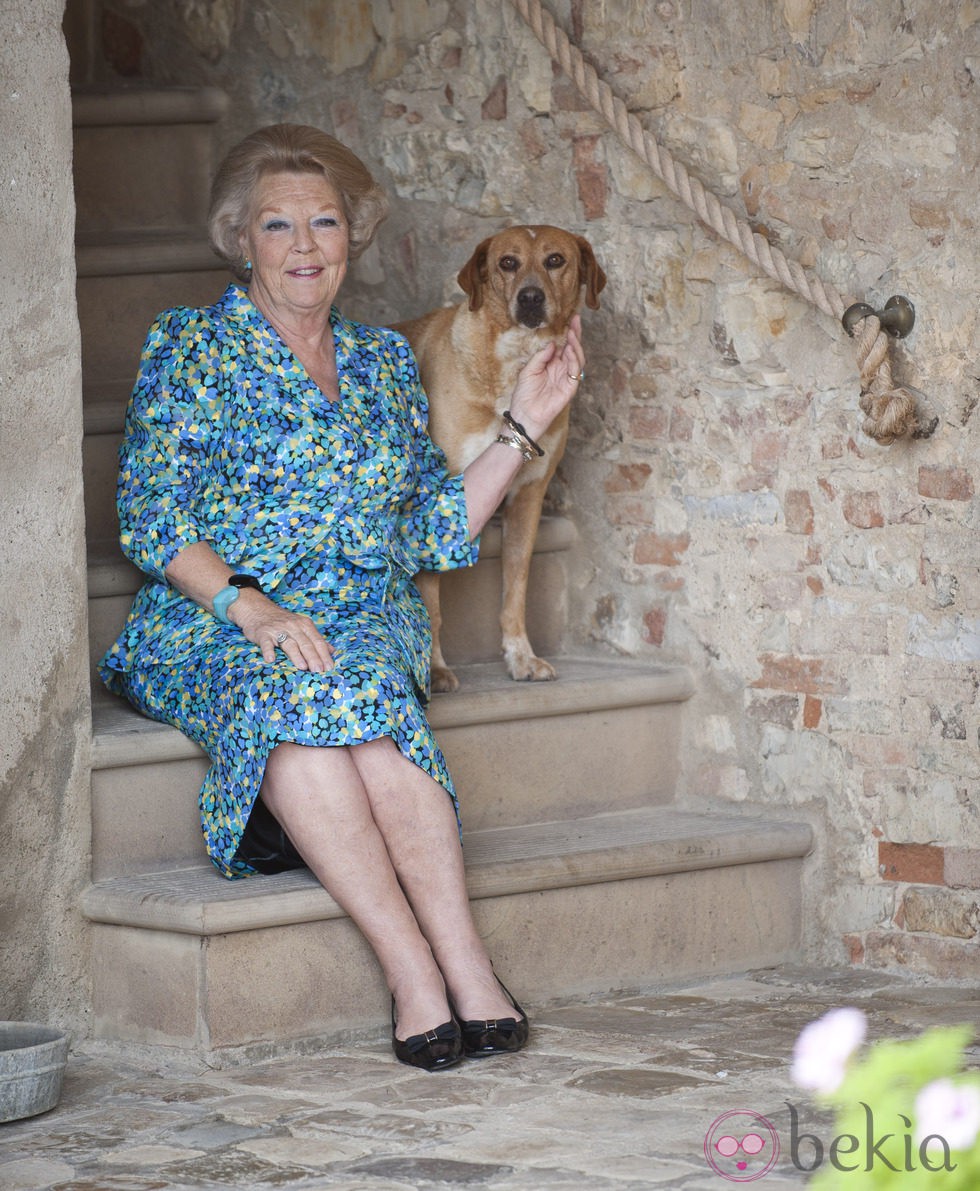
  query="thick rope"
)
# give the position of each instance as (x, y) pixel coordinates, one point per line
(890, 412)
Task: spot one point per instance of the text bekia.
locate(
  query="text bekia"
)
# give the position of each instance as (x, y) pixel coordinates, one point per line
(850, 1152)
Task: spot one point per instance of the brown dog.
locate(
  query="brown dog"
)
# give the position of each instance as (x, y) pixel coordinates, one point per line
(523, 285)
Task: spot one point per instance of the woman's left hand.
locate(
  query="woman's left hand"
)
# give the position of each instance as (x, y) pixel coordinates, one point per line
(548, 381)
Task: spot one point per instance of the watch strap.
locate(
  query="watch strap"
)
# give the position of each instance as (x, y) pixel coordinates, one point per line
(223, 601)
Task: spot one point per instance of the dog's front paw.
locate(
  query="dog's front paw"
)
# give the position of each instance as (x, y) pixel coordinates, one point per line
(524, 666)
(443, 681)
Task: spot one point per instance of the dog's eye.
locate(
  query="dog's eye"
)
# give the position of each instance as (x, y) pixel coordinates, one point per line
(509, 264)
(554, 261)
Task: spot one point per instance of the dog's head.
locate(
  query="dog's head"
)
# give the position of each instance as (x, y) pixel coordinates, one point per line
(533, 276)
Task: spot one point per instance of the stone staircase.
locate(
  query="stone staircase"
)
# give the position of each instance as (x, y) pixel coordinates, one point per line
(586, 876)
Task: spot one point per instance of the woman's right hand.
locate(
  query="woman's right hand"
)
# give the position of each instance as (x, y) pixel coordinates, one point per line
(199, 573)
(549, 381)
(270, 627)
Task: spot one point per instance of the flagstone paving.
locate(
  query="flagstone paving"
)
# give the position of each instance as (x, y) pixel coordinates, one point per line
(612, 1095)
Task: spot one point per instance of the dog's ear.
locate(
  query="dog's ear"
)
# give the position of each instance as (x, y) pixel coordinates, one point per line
(590, 273)
(473, 276)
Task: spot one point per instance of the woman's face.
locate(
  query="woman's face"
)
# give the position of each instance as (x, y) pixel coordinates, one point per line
(297, 241)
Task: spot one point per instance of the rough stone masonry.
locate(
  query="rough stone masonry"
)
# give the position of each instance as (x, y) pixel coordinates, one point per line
(732, 516)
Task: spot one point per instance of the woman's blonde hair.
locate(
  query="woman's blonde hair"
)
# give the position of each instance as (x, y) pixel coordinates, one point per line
(285, 148)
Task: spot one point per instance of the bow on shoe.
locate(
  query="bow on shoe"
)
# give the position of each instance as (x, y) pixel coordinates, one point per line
(431, 1051)
(503, 1035)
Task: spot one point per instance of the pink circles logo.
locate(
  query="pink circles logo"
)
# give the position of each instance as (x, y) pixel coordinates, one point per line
(741, 1146)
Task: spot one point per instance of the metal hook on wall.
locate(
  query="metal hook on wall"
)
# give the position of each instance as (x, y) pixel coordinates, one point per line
(897, 318)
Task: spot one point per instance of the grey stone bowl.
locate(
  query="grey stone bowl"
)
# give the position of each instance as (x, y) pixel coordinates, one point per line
(32, 1063)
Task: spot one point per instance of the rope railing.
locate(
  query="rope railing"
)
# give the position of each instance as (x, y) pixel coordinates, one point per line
(890, 411)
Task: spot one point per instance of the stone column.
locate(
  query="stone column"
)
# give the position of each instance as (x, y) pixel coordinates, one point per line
(44, 713)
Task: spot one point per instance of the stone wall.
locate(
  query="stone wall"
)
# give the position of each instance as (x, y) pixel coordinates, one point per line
(44, 723)
(733, 516)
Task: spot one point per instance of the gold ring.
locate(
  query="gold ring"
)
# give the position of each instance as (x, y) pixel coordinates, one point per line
(577, 375)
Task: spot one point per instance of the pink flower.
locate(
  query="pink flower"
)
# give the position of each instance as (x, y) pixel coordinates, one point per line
(945, 1109)
(823, 1048)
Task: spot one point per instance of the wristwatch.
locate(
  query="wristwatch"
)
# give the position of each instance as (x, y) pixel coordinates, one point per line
(227, 595)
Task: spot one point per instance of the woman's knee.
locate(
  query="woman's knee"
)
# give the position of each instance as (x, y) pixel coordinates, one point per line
(382, 765)
(293, 767)
(283, 758)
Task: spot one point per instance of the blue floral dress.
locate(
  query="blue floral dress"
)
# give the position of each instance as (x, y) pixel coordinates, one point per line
(333, 505)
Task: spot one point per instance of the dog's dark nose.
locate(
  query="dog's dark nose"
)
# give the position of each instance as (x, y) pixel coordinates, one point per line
(529, 297)
(530, 306)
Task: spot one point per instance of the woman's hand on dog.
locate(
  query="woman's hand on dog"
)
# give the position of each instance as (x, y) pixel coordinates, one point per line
(545, 386)
(548, 381)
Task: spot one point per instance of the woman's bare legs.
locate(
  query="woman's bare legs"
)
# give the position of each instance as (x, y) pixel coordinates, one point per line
(380, 836)
(418, 823)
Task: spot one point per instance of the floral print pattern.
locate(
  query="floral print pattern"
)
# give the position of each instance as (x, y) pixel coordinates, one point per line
(333, 505)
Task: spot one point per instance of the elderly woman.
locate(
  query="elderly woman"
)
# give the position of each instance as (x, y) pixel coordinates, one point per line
(278, 489)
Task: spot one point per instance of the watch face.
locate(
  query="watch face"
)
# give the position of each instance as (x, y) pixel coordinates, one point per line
(245, 581)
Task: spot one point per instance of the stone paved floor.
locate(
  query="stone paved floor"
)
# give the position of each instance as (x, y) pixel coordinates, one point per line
(614, 1094)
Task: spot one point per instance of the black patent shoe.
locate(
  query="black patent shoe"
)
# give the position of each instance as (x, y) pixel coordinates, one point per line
(496, 1036)
(431, 1051)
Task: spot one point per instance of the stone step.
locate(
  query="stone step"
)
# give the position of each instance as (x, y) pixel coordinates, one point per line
(144, 158)
(123, 284)
(104, 406)
(571, 907)
(470, 597)
(128, 106)
(604, 734)
(144, 251)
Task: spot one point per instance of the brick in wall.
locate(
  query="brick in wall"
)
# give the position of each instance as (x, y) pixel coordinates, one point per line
(946, 483)
(661, 549)
(788, 673)
(798, 511)
(863, 510)
(921, 864)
